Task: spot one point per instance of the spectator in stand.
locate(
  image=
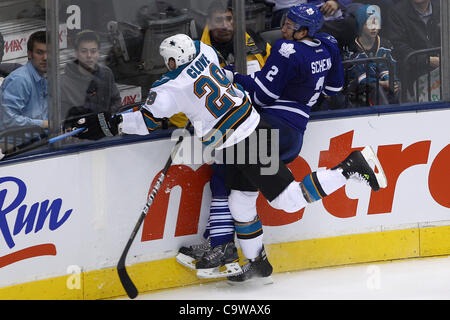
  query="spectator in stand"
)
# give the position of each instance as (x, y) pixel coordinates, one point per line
(369, 44)
(218, 33)
(338, 20)
(341, 23)
(2, 46)
(415, 25)
(280, 8)
(331, 9)
(24, 91)
(5, 68)
(85, 82)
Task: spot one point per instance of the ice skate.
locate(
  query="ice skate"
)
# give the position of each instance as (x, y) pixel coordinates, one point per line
(221, 261)
(188, 256)
(258, 269)
(357, 166)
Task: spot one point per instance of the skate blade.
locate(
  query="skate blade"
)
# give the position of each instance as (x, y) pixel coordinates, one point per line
(369, 155)
(263, 281)
(186, 261)
(229, 269)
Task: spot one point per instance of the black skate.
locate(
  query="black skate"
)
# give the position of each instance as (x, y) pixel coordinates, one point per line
(188, 256)
(257, 269)
(357, 166)
(221, 261)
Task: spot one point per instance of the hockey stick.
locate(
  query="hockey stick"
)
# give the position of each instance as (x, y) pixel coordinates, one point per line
(125, 279)
(34, 144)
(44, 140)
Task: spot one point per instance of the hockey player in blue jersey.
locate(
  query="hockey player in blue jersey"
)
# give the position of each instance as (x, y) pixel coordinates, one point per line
(193, 69)
(302, 66)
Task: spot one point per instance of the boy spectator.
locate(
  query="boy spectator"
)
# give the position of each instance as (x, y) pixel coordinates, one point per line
(85, 82)
(415, 25)
(368, 45)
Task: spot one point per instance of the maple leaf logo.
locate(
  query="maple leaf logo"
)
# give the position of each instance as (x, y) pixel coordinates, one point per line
(286, 49)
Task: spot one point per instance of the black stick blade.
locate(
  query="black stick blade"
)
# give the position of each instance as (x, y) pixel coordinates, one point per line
(126, 281)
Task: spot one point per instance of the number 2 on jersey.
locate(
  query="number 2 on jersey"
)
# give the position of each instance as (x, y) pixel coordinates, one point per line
(215, 102)
(318, 91)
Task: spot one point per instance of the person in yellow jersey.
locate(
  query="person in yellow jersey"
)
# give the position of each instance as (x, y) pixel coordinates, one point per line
(218, 33)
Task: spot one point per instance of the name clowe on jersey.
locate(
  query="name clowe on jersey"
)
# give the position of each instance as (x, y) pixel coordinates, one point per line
(196, 68)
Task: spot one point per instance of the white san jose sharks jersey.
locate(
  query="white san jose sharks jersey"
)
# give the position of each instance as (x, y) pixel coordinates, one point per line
(220, 112)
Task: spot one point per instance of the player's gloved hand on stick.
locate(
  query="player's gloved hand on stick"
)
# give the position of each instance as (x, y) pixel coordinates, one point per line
(98, 125)
(73, 115)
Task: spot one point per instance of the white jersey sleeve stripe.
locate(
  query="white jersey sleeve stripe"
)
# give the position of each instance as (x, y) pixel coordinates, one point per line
(295, 110)
(256, 100)
(334, 89)
(286, 101)
(265, 90)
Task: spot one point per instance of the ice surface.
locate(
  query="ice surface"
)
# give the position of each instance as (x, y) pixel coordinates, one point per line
(425, 279)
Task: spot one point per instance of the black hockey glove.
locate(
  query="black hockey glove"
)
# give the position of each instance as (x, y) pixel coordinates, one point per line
(73, 115)
(98, 125)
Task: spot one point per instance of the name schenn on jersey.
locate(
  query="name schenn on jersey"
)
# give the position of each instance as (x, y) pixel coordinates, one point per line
(320, 65)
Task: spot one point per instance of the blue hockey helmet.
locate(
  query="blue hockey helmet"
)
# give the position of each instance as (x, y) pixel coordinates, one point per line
(306, 15)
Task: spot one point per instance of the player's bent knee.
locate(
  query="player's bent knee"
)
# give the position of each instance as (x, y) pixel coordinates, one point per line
(290, 200)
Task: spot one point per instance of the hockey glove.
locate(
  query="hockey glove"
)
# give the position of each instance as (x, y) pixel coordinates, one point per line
(73, 115)
(98, 125)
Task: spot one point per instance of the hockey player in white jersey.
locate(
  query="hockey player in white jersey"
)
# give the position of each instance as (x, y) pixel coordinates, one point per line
(224, 118)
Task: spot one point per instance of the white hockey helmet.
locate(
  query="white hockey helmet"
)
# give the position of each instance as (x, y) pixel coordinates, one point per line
(180, 47)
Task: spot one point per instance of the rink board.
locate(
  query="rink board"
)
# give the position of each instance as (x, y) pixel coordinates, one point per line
(64, 220)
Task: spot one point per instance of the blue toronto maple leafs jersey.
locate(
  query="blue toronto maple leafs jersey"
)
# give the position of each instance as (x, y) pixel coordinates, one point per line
(294, 76)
